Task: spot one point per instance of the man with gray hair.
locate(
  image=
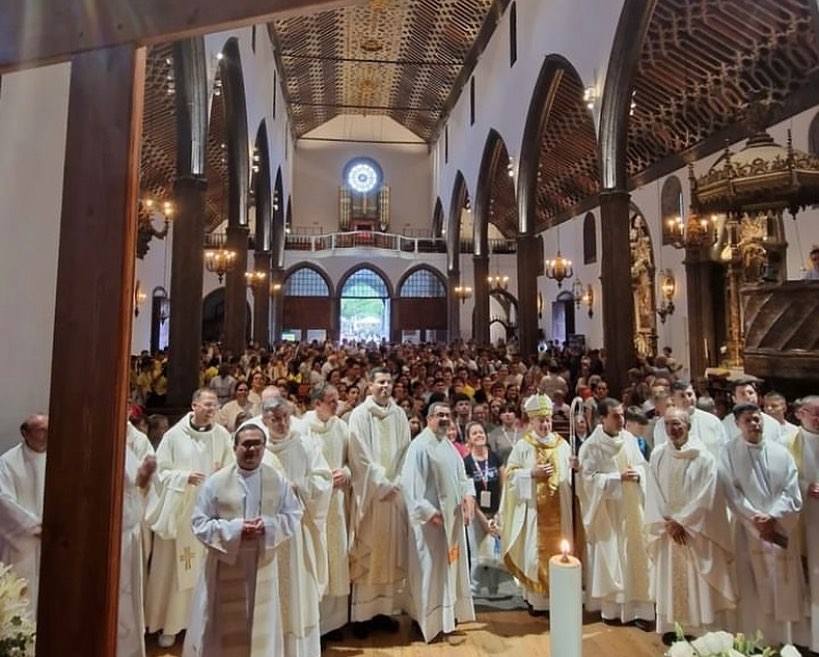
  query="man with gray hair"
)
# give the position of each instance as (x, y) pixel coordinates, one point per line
(440, 501)
(705, 427)
(303, 560)
(689, 535)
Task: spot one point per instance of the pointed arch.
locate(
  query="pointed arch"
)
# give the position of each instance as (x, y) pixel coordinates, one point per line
(551, 184)
(388, 289)
(279, 222)
(314, 268)
(260, 186)
(432, 289)
(495, 191)
(459, 201)
(438, 219)
(236, 132)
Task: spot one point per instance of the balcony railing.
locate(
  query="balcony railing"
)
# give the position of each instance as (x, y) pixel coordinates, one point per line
(364, 240)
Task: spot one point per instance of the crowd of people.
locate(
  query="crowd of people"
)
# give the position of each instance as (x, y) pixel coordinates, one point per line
(318, 487)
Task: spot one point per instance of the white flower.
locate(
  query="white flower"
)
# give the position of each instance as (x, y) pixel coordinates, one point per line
(714, 643)
(789, 651)
(681, 649)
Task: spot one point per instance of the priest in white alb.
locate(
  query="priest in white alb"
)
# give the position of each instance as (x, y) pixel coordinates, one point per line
(138, 473)
(243, 515)
(805, 451)
(22, 484)
(705, 427)
(761, 482)
(191, 450)
(689, 534)
(331, 433)
(612, 497)
(537, 503)
(379, 437)
(440, 501)
(302, 563)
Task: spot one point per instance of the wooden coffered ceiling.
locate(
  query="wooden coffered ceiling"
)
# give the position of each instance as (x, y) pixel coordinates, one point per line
(703, 61)
(567, 165)
(503, 208)
(398, 58)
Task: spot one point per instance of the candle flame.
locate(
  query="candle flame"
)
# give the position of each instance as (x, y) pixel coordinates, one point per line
(564, 548)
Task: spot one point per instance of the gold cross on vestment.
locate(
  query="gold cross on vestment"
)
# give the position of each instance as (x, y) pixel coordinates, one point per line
(187, 557)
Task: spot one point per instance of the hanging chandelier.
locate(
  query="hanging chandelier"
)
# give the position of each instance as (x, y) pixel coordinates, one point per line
(559, 269)
(220, 261)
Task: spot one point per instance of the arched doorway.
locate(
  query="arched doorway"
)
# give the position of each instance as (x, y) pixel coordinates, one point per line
(364, 308)
(420, 313)
(563, 317)
(307, 304)
(503, 316)
(213, 317)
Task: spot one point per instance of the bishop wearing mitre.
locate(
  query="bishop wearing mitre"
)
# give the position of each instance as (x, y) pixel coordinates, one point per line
(536, 510)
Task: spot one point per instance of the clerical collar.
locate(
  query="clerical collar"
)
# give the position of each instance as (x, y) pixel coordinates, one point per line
(207, 427)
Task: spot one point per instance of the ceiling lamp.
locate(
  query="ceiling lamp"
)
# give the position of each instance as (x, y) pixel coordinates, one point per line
(254, 279)
(695, 232)
(220, 261)
(559, 269)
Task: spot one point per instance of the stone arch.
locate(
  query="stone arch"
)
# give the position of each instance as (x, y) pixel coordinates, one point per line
(309, 265)
(230, 68)
(412, 270)
(671, 206)
(365, 265)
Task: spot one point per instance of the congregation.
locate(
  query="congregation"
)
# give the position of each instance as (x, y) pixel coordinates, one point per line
(317, 487)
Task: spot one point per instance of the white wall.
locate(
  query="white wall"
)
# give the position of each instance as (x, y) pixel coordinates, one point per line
(318, 174)
(152, 271)
(33, 113)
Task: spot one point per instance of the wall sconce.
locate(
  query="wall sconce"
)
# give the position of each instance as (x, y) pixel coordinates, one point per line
(588, 299)
(254, 279)
(668, 287)
(275, 288)
(590, 97)
(139, 297)
(463, 292)
(578, 290)
(539, 305)
(498, 282)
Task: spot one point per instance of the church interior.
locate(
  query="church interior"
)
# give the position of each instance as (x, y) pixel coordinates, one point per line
(634, 178)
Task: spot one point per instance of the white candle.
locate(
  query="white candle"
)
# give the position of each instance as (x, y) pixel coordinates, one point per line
(565, 604)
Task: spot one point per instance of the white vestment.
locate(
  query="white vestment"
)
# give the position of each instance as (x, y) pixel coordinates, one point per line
(333, 436)
(230, 411)
(762, 478)
(379, 437)
(771, 429)
(177, 555)
(434, 480)
(619, 572)
(693, 583)
(235, 612)
(536, 513)
(302, 563)
(706, 428)
(131, 615)
(805, 450)
(22, 483)
(141, 447)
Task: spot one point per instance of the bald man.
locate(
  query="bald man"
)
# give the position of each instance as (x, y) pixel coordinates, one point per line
(22, 482)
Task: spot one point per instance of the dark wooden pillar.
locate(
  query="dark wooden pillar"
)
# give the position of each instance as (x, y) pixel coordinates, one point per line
(699, 275)
(261, 300)
(185, 339)
(236, 292)
(480, 324)
(615, 278)
(82, 513)
(277, 302)
(530, 265)
(453, 306)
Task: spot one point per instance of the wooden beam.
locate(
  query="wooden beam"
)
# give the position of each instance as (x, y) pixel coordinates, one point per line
(82, 512)
(37, 32)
